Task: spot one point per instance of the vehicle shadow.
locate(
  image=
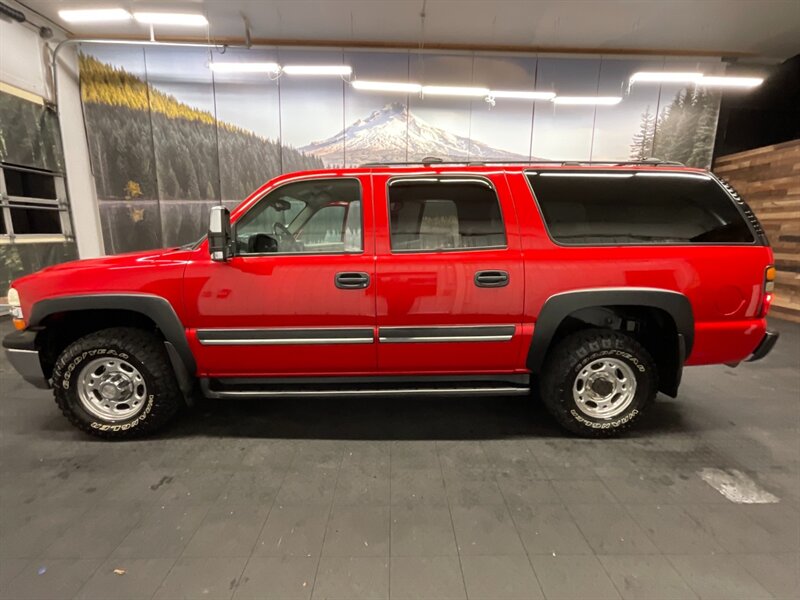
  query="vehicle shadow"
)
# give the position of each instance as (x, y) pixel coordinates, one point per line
(361, 418)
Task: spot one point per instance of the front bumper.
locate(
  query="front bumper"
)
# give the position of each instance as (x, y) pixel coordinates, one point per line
(21, 351)
(765, 346)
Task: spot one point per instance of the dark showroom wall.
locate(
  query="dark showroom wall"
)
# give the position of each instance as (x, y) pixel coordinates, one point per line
(168, 138)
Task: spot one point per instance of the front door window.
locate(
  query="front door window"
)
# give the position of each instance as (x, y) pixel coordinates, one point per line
(306, 217)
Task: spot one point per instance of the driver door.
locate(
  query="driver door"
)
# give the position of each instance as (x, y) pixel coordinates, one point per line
(298, 296)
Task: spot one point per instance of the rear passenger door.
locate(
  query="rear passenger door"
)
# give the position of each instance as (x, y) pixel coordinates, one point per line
(449, 274)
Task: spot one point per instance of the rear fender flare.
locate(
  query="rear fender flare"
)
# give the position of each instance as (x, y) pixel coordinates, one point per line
(560, 306)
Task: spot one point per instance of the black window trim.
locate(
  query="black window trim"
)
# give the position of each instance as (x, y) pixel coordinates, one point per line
(292, 182)
(440, 178)
(707, 174)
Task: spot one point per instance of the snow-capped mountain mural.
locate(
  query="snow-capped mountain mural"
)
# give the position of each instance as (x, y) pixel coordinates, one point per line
(393, 134)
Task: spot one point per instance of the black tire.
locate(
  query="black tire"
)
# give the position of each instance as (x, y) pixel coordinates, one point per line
(142, 350)
(574, 353)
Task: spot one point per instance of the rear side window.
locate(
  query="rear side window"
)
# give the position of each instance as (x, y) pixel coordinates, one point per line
(430, 213)
(645, 207)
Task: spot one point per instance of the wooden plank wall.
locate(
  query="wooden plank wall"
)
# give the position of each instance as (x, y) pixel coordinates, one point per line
(768, 179)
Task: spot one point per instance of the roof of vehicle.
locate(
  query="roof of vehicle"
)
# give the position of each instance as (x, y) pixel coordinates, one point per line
(439, 166)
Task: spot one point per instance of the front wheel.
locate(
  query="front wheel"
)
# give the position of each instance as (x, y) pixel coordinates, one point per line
(598, 383)
(116, 383)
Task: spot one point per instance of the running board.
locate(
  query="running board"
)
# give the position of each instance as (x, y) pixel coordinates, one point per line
(218, 388)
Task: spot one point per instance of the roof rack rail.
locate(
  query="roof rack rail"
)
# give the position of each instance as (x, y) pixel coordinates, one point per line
(432, 160)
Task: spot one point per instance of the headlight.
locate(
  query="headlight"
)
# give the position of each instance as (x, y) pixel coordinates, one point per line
(14, 306)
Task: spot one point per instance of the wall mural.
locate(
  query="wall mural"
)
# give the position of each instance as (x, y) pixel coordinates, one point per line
(169, 138)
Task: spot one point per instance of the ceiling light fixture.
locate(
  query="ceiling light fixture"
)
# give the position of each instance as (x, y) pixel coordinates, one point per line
(724, 81)
(522, 95)
(95, 15)
(665, 77)
(179, 19)
(386, 86)
(588, 100)
(245, 67)
(317, 70)
(446, 90)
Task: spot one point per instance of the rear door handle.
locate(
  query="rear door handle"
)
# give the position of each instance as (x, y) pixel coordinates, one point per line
(491, 279)
(352, 280)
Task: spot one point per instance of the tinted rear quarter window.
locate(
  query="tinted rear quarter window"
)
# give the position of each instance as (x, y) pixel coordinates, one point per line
(643, 207)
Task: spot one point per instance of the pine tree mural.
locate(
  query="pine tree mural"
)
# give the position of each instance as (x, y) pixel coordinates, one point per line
(141, 134)
(685, 129)
(174, 152)
(642, 144)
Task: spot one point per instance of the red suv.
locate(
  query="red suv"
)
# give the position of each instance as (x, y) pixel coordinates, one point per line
(593, 284)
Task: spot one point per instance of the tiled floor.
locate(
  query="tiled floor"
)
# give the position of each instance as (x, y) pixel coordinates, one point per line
(429, 499)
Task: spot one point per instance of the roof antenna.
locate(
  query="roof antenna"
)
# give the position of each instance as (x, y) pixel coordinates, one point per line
(430, 160)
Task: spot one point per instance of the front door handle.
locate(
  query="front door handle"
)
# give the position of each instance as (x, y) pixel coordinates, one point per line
(352, 280)
(491, 279)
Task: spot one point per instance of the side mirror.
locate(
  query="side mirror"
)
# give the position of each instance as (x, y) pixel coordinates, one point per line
(219, 234)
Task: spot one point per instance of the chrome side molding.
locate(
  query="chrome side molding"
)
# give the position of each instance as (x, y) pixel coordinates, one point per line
(470, 333)
(284, 336)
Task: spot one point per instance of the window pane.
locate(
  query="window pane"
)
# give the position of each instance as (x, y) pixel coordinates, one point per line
(30, 133)
(444, 215)
(30, 185)
(634, 208)
(320, 216)
(35, 220)
(352, 228)
(325, 226)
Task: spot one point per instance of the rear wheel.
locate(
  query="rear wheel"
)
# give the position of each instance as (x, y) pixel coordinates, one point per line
(598, 383)
(116, 383)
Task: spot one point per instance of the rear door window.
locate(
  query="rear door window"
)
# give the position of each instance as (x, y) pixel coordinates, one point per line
(642, 207)
(444, 213)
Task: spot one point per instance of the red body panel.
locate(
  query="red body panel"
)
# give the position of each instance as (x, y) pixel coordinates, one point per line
(723, 283)
(436, 289)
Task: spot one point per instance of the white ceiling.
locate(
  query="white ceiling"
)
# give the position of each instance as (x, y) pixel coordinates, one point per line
(762, 28)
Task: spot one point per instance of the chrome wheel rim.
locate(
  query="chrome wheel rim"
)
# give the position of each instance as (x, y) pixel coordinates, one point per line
(111, 389)
(604, 388)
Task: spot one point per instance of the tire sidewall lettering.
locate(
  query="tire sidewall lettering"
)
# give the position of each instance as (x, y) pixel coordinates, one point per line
(126, 426)
(66, 377)
(604, 424)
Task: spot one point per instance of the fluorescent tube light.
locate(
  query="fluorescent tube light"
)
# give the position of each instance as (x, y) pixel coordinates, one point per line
(739, 82)
(446, 90)
(318, 70)
(245, 67)
(386, 86)
(588, 100)
(665, 77)
(522, 95)
(94, 15)
(181, 19)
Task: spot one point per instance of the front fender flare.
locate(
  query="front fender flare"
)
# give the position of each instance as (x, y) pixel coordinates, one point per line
(156, 308)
